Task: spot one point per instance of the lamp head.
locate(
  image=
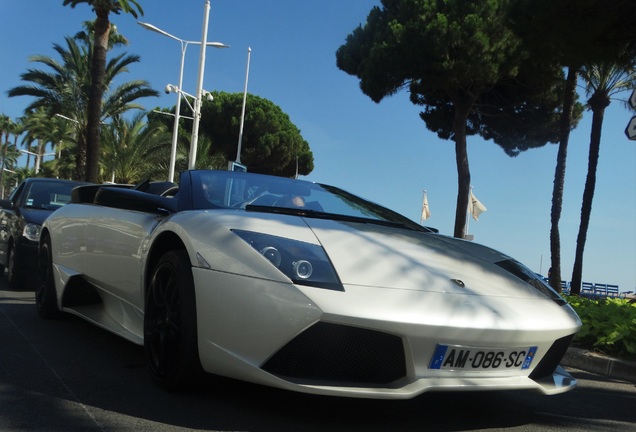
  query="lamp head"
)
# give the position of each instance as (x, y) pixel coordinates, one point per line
(206, 94)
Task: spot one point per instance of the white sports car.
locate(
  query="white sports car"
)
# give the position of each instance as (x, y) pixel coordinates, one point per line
(300, 286)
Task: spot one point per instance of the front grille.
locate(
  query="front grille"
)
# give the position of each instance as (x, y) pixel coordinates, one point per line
(551, 360)
(347, 355)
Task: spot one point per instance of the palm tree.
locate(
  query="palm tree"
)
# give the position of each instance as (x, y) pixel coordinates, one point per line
(602, 81)
(63, 139)
(102, 9)
(8, 152)
(206, 158)
(62, 88)
(23, 173)
(134, 150)
(38, 125)
(65, 88)
(16, 128)
(5, 121)
(9, 180)
(5, 124)
(63, 91)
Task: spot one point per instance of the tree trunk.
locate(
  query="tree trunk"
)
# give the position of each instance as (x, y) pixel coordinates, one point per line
(559, 178)
(96, 93)
(598, 105)
(462, 107)
(4, 162)
(80, 157)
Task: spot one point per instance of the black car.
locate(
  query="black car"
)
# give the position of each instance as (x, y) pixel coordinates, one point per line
(21, 217)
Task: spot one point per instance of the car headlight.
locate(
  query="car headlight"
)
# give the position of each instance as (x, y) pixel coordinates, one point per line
(303, 263)
(32, 232)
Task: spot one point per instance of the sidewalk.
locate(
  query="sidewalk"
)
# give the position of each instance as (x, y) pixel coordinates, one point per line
(603, 365)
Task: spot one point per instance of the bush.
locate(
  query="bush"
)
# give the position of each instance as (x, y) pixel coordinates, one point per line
(609, 325)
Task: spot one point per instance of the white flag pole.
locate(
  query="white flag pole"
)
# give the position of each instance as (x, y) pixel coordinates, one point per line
(468, 211)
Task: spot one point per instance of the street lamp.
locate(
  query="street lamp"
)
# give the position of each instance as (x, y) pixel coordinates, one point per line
(66, 118)
(184, 46)
(171, 88)
(38, 158)
(77, 125)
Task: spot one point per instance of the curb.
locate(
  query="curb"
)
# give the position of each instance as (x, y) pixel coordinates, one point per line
(599, 364)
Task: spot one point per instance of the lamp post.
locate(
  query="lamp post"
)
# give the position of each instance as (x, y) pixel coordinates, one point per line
(38, 158)
(197, 101)
(184, 46)
(66, 118)
(240, 139)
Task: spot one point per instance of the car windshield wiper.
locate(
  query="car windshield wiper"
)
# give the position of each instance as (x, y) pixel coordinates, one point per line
(304, 212)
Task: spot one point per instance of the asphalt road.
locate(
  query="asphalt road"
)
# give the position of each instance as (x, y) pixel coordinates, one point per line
(68, 375)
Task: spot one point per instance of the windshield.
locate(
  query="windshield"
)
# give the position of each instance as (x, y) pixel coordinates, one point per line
(255, 192)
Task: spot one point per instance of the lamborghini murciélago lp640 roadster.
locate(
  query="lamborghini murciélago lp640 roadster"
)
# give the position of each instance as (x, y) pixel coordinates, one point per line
(300, 286)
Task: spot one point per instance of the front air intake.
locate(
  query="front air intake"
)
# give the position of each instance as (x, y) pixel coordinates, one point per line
(551, 359)
(343, 354)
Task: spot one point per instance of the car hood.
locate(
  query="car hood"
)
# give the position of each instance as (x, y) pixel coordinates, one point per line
(372, 255)
(36, 216)
(375, 255)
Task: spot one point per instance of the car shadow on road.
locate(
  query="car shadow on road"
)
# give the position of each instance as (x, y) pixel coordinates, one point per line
(80, 377)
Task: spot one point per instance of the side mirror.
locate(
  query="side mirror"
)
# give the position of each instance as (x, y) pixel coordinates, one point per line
(6, 204)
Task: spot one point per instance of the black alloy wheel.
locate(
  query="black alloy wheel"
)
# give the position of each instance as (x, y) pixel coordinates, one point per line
(45, 297)
(170, 332)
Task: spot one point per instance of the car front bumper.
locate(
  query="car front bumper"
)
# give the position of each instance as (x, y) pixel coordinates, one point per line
(323, 342)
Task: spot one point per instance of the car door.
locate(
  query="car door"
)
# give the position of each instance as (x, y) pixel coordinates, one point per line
(115, 253)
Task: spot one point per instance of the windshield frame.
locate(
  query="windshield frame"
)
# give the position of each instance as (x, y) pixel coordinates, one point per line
(212, 189)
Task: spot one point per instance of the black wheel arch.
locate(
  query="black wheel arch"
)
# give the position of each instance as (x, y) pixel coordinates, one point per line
(165, 242)
(43, 234)
(183, 369)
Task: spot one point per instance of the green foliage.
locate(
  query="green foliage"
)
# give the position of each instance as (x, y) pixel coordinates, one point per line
(574, 32)
(63, 87)
(99, 48)
(609, 325)
(133, 150)
(442, 50)
(450, 46)
(462, 62)
(105, 6)
(271, 143)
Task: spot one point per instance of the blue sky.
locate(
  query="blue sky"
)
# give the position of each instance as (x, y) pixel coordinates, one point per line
(383, 151)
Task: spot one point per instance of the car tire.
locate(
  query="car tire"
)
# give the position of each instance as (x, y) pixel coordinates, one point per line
(14, 278)
(170, 324)
(45, 296)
